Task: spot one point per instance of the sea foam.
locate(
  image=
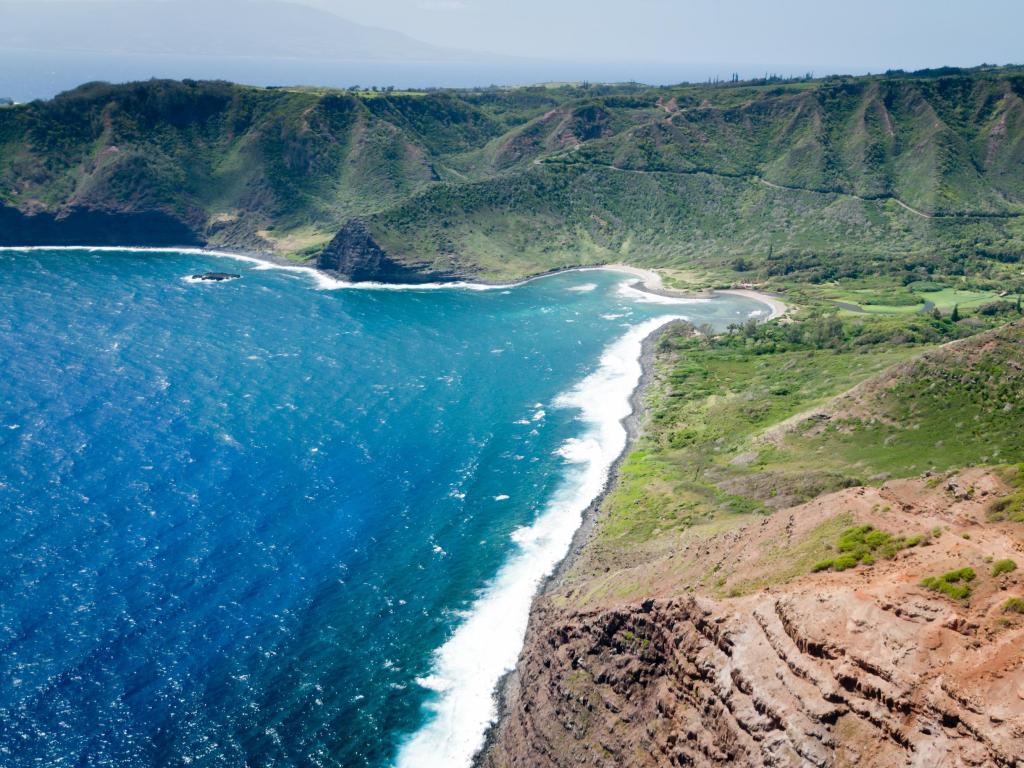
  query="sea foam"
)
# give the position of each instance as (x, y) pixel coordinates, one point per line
(323, 280)
(627, 290)
(467, 668)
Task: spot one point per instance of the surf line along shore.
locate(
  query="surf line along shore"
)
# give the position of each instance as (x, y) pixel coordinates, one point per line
(508, 692)
(647, 280)
(609, 400)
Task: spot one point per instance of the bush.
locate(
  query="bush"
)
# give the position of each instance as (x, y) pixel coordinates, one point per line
(926, 286)
(1003, 566)
(1010, 508)
(862, 545)
(955, 584)
(1014, 605)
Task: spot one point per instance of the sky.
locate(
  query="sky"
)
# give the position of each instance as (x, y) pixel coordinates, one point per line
(826, 35)
(522, 41)
(861, 35)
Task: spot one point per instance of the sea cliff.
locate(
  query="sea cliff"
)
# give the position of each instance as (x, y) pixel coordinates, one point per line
(742, 640)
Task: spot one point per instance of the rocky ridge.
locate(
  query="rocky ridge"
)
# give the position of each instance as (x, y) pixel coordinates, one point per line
(862, 667)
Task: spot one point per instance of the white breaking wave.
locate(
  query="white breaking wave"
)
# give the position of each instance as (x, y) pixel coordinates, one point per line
(584, 288)
(323, 281)
(467, 668)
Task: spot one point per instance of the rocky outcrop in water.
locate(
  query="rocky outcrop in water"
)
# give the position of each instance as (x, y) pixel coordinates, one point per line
(215, 277)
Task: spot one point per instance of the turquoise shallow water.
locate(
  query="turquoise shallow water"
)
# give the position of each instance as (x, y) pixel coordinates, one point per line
(261, 523)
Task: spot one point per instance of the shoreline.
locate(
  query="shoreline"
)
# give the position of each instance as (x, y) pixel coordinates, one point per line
(608, 401)
(647, 280)
(508, 685)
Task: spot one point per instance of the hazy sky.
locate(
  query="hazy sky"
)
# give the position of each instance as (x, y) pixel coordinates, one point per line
(861, 34)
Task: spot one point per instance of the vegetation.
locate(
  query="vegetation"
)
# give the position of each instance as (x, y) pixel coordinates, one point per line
(1011, 506)
(1013, 605)
(999, 567)
(862, 545)
(955, 584)
(808, 181)
(749, 421)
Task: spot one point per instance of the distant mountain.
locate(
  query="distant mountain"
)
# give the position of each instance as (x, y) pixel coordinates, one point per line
(268, 28)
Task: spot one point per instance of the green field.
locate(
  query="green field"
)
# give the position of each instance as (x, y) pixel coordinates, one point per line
(712, 445)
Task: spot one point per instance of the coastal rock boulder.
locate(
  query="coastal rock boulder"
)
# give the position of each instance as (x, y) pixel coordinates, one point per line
(354, 254)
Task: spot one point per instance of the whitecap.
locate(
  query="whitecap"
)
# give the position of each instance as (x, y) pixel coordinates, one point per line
(537, 416)
(322, 280)
(485, 646)
(501, 497)
(584, 288)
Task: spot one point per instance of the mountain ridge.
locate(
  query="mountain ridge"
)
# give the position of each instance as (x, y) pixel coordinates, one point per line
(501, 183)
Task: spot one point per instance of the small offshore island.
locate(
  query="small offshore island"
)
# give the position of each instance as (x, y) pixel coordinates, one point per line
(215, 277)
(809, 552)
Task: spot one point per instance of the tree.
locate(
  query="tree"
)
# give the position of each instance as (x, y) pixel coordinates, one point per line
(955, 317)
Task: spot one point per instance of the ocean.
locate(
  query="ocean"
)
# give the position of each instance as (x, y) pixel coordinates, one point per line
(282, 520)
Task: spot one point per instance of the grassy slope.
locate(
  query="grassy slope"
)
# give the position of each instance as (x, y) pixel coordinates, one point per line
(713, 457)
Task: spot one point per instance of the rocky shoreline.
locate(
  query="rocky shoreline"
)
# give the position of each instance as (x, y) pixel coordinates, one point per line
(849, 668)
(508, 688)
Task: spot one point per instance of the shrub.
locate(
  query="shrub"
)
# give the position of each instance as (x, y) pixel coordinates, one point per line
(925, 286)
(1003, 566)
(1014, 605)
(862, 545)
(955, 584)
(1009, 508)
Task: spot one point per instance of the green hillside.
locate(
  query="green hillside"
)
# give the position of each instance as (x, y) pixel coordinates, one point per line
(813, 180)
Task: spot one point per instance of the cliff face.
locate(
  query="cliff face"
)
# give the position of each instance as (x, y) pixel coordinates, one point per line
(863, 667)
(354, 254)
(87, 226)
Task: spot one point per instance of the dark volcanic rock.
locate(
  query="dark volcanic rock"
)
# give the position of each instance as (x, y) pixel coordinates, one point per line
(356, 255)
(215, 277)
(91, 226)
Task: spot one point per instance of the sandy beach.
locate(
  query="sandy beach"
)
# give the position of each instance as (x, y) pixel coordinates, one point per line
(651, 281)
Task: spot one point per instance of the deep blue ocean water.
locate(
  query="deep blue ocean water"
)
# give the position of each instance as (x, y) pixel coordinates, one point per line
(260, 523)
